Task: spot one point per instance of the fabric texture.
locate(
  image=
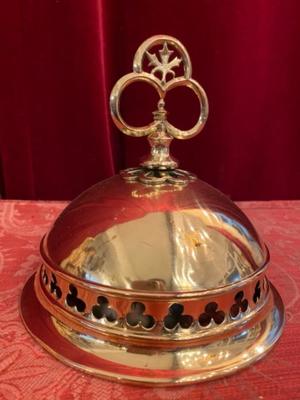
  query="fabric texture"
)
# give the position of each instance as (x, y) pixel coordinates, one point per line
(60, 59)
(27, 372)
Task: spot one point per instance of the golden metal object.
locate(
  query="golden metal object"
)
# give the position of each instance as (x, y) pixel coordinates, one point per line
(153, 276)
(160, 132)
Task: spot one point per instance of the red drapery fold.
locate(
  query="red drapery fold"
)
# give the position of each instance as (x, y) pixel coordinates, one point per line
(60, 59)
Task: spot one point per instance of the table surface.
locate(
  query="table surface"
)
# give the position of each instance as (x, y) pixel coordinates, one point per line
(28, 372)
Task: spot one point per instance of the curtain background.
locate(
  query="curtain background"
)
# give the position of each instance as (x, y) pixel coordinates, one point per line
(60, 59)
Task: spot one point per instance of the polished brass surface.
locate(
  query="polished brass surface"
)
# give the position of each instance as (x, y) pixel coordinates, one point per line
(153, 276)
(194, 242)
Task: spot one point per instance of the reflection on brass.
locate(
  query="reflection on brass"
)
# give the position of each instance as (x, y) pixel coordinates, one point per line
(153, 191)
(183, 250)
(152, 276)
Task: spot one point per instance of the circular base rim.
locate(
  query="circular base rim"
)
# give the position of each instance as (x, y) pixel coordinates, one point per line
(98, 357)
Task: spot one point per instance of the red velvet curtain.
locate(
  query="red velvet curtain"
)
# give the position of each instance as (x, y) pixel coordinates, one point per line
(60, 59)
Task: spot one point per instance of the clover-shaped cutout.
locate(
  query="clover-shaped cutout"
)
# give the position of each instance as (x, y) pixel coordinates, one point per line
(176, 317)
(240, 304)
(211, 314)
(54, 288)
(74, 301)
(136, 316)
(257, 292)
(45, 277)
(103, 310)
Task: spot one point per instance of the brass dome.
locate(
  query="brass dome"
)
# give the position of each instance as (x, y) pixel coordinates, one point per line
(170, 239)
(153, 276)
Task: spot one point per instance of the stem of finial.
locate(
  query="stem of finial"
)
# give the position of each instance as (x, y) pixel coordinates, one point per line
(160, 141)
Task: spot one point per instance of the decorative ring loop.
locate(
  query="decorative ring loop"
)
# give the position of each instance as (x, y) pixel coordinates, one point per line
(162, 39)
(203, 102)
(162, 65)
(115, 97)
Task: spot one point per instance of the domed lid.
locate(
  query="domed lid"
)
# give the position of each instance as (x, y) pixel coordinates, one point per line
(128, 236)
(156, 228)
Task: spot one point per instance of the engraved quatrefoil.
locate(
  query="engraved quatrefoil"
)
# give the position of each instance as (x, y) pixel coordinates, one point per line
(160, 167)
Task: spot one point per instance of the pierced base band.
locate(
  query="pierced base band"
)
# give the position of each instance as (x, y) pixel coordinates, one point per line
(144, 366)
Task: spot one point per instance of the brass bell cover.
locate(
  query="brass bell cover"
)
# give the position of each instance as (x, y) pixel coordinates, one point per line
(153, 276)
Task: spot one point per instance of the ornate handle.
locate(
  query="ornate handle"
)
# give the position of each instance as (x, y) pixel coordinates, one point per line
(163, 65)
(163, 78)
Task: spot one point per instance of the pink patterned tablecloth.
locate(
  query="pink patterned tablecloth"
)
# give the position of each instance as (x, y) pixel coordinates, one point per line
(28, 372)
